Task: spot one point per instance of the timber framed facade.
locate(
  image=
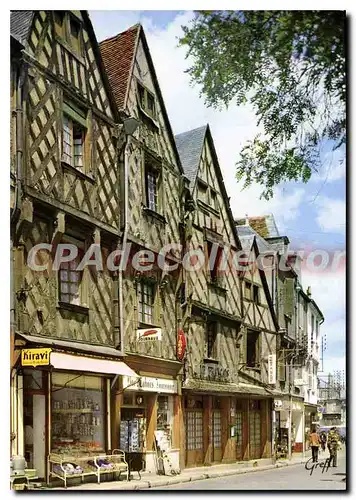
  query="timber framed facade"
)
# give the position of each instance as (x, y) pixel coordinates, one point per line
(226, 396)
(65, 189)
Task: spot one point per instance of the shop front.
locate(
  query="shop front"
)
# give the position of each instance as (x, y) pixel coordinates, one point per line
(225, 427)
(310, 418)
(63, 404)
(149, 422)
(289, 425)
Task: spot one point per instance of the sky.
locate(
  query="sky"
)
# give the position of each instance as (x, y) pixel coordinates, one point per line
(312, 215)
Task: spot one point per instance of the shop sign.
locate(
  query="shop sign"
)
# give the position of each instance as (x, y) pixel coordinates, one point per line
(181, 344)
(150, 384)
(271, 368)
(214, 373)
(35, 357)
(147, 335)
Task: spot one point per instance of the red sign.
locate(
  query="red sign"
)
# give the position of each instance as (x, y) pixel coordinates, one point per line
(181, 344)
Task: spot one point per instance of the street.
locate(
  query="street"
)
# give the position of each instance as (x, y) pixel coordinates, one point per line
(294, 477)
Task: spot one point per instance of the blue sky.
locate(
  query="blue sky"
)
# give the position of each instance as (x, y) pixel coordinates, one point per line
(312, 215)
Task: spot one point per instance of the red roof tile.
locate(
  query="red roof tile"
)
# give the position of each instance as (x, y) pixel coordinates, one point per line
(118, 53)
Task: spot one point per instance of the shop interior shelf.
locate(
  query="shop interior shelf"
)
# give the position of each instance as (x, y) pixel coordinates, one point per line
(73, 410)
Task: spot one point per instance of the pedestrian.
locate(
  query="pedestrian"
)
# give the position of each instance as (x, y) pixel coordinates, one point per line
(314, 443)
(333, 445)
(323, 439)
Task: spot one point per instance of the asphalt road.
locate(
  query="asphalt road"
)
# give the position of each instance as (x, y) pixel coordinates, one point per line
(294, 477)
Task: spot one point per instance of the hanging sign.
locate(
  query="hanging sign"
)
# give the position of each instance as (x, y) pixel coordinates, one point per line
(181, 344)
(35, 357)
(271, 368)
(149, 334)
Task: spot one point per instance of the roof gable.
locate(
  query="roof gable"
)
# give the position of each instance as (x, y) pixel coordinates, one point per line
(118, 54)
(121, 67)
(190, 145)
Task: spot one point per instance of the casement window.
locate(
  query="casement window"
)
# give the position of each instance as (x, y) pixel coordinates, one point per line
(211, 339)
(214, 199)
(70, 280)
(74, 137)
(202, 192)
(215, 257)
(146, 100)
(152, 190)
(256, 294)
(253, 349)
(248, 290)
(146, 293)
(152, 184)
(68, 29)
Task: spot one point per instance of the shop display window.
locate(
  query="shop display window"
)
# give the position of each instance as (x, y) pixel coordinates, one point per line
(78, 413)
(164, 421)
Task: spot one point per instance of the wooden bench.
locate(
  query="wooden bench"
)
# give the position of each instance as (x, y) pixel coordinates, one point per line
(89, 465)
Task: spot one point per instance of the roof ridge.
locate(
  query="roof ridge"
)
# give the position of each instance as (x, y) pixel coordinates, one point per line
(111, 38)
(193, 130)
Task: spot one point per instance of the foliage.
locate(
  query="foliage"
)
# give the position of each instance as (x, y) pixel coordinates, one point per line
(290, 66)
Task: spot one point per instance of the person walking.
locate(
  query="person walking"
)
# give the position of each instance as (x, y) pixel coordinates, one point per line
(333, 445)
(314, 440)
(323, 439)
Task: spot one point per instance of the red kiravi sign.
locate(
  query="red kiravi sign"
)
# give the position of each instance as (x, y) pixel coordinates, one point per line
(181, 344)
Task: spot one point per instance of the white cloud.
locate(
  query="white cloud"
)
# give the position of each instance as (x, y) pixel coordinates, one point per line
(331, 214)
(333, 167)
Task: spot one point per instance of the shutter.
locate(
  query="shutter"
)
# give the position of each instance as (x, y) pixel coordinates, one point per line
(288, 296)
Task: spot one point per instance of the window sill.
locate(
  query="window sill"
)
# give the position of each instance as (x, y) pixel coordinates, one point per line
(208, 209)
(77, 172)
(147, 325)
(149, 117)
(155, 215)
(210, 360)
(217, 287)
(73, 307)
(68, 47)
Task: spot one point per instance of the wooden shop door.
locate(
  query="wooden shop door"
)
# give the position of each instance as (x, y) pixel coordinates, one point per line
(215, 436)
(194, 438)
(255, 434)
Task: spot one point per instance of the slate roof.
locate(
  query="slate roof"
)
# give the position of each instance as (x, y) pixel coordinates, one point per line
(118, 54)
(247, 235)
(190, 145)
(20, 23)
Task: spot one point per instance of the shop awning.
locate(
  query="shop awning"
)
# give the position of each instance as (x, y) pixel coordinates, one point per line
(63, 361)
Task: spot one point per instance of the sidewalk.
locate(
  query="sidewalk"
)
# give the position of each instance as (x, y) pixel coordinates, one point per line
(192, 474)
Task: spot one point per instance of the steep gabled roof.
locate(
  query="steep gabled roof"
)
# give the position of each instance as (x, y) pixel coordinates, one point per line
(118, 55)
(20, 24)
(247, 235)
(190, 147)
(20, 27)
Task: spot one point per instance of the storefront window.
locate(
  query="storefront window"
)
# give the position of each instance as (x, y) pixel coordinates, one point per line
(164, 421)
(78, 413)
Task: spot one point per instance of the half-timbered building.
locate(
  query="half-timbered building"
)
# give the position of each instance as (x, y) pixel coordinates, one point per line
(65, 190)
(229, 322)
(151, 224)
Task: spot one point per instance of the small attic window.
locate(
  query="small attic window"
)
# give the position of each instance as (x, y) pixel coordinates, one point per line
(68, 28)
(146, 100)
(59, 24)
